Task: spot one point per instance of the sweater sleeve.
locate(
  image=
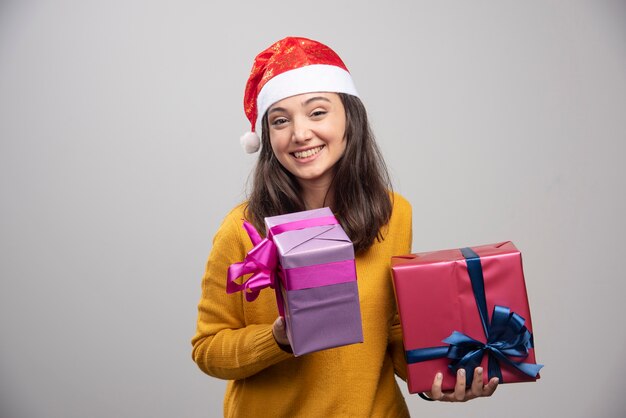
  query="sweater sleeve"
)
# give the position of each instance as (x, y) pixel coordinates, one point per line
(225, 345)
(405, 234)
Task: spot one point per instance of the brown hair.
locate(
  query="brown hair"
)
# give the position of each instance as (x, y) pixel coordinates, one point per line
(361, 185)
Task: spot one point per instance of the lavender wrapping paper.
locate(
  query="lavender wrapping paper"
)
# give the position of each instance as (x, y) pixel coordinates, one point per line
(325, 316)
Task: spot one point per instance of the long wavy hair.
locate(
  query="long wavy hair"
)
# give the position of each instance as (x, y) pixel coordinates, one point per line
(361, 186)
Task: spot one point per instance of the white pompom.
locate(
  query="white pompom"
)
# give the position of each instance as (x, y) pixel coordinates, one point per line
(250, 142)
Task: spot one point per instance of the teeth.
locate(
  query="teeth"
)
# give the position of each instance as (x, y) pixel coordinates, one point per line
(307, 153)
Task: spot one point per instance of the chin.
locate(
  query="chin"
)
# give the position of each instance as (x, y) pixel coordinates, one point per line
(310, 172)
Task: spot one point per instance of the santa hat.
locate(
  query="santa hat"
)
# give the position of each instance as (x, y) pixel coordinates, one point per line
(289, 67)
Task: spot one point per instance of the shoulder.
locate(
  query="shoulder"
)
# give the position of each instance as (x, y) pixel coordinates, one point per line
(236, 214)
(231, 228)
(401, 207)
(399, 202)
(400, 227)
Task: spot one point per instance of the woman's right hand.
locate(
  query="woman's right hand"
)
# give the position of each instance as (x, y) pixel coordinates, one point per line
(279, 331)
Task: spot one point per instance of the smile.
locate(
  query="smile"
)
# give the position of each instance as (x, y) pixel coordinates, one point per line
(307, 153)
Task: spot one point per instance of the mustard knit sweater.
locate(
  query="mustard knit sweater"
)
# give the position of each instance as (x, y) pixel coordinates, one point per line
(234, 339)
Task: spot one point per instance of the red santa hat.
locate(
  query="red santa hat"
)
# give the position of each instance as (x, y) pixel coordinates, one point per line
(289, 67)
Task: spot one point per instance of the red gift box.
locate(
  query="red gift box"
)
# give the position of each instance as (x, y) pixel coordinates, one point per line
(463, 308)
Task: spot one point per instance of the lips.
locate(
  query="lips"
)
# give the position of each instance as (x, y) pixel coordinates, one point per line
(307, 153)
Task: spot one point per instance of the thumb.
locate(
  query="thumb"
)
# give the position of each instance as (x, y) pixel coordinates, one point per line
(278, 330)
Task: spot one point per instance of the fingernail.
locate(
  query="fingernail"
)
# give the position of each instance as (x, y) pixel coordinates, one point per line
(462, 372)
(439, 376)
(479, 370)
(497, 380)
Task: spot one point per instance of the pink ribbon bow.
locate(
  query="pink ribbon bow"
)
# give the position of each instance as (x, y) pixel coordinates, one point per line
(262, 260)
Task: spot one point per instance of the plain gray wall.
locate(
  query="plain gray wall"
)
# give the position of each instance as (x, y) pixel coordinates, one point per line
(119, 126)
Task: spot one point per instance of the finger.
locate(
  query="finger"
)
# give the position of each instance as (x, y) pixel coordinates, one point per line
(279, 332)
(477, 382)
(491, 387)
(436, 393)
(459, 388)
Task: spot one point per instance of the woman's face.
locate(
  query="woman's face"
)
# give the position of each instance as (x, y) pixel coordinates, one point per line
(307, 134)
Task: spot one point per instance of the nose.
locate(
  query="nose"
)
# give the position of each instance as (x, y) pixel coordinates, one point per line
(301, 130)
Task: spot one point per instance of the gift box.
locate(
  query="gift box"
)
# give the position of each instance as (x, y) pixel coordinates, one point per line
(464, 308)
(309, 260)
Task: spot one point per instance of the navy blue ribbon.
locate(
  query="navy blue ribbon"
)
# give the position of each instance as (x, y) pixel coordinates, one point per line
(507, 337)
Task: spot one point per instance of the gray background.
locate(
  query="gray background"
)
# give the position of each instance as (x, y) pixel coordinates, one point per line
(119, 126)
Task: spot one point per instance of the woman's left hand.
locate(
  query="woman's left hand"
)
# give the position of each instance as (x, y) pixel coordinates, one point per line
(461, 393)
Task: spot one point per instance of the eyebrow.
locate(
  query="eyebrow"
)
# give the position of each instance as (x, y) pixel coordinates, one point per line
(312, 99)
(276, 109)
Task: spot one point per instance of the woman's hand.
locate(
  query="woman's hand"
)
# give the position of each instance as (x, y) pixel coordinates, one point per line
(461, 393)
(279, 331)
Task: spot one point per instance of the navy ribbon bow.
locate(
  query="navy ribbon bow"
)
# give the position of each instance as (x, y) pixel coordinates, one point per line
(507, 337)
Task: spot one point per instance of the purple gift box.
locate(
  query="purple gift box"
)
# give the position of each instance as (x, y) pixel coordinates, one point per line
(317, 280)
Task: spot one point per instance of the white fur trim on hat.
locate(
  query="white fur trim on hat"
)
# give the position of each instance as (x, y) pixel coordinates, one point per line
(307, 79)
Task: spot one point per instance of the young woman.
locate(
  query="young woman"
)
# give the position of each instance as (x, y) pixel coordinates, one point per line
(317, 150)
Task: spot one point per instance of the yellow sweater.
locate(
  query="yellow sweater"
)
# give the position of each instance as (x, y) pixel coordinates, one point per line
(234, 339)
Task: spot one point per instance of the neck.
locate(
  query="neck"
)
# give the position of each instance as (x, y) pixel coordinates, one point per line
(317, 194)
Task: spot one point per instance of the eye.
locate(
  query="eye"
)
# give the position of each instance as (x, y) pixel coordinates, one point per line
(279, 121)
(318, 113)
